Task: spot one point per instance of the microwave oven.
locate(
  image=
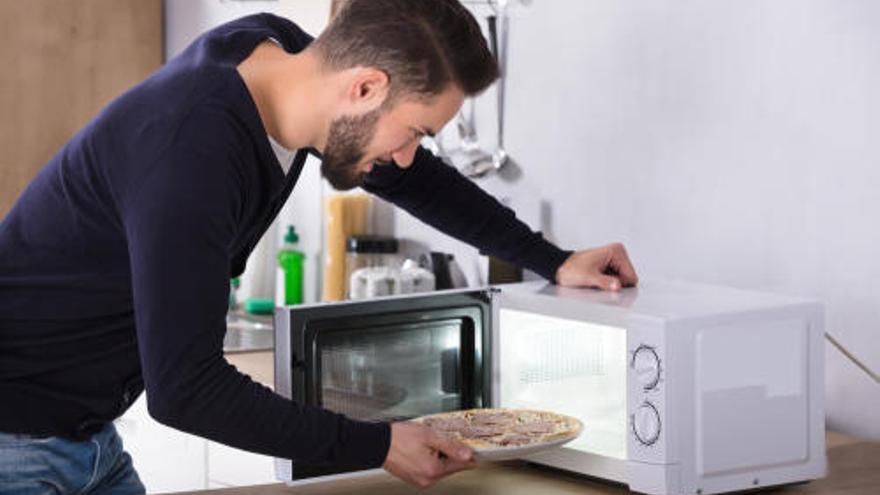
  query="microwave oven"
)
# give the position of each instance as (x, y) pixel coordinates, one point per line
(682, 388)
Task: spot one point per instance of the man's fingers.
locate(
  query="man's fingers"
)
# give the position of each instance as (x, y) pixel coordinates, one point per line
(622, 266)
(442, 464)
(453, 466)
(420, 456)
(454, 451)
(607, 268)
(449, 465)
(607, 282)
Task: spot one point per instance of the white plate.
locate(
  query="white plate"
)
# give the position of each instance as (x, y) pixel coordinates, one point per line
(508, 453)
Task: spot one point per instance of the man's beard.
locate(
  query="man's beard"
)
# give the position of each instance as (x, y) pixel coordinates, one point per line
(346, 142)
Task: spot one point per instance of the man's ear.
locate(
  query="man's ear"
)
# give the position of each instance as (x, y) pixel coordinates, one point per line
(368, 88)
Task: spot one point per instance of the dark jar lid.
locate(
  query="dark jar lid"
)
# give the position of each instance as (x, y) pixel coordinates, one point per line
(369, 244)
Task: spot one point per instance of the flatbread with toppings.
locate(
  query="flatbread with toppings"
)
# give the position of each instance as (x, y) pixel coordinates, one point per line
(499, 430)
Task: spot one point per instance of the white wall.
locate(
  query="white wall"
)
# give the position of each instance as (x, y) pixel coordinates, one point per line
(186, 19)
(733, 142)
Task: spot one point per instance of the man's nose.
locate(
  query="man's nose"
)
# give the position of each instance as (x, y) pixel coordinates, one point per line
(404, 156)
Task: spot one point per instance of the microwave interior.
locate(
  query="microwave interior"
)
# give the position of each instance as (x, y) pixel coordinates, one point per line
(570, 367)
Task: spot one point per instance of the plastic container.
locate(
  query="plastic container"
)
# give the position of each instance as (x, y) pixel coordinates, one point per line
(414, 278)
(376, 281)
(291, 261)
(234, 284)
(378, 253)
(259, 306)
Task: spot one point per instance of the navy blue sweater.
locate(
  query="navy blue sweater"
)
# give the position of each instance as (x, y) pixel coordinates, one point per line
(115, 261)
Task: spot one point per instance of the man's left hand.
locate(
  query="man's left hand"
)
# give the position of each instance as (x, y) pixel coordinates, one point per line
(607, 268)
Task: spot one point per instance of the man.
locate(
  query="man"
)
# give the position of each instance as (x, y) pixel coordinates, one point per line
(115, 262)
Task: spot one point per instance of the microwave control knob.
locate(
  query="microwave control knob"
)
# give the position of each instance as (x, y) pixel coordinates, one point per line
(646, 364)
(646, 424)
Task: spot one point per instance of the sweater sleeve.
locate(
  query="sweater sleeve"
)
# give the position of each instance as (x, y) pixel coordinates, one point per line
(440, 196)
(180, 219)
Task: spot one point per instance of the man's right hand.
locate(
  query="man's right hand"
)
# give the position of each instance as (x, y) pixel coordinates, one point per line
(420, 456)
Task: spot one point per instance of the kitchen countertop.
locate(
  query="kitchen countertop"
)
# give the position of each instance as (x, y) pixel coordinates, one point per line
(854, 469)
(260, 365)
(248, 333)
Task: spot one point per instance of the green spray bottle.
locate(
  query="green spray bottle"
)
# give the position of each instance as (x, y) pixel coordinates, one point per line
(290, 259)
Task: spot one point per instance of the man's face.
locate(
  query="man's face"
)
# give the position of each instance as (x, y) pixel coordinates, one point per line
(382, 136)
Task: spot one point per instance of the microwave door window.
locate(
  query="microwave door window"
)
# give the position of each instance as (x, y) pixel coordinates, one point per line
(569, 367)
(393, 373)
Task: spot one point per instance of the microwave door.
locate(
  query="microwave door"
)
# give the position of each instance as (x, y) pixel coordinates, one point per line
(388, 359)
(555, 353)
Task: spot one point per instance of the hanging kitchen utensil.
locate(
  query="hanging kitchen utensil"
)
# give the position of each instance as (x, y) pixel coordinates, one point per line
(484, 162)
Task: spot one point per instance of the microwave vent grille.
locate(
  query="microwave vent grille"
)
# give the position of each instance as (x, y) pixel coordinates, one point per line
(559, 354)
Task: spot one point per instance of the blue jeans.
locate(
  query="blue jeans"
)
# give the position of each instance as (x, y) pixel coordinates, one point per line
(54, 465)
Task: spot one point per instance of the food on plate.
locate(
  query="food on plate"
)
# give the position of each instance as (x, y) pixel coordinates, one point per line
(483, 429)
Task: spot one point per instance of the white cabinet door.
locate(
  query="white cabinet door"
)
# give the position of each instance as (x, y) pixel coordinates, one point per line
(166, 459)
(228, 466)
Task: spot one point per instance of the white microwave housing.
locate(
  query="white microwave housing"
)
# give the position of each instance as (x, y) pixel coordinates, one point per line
(723, 387)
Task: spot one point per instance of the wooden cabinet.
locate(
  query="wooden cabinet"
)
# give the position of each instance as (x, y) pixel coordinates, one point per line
(62, 62)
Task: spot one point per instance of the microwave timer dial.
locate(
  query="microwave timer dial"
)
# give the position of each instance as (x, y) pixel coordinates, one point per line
(646, 364)
(646, 424)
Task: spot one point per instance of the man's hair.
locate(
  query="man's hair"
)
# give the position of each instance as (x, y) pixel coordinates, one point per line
(422, 45)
